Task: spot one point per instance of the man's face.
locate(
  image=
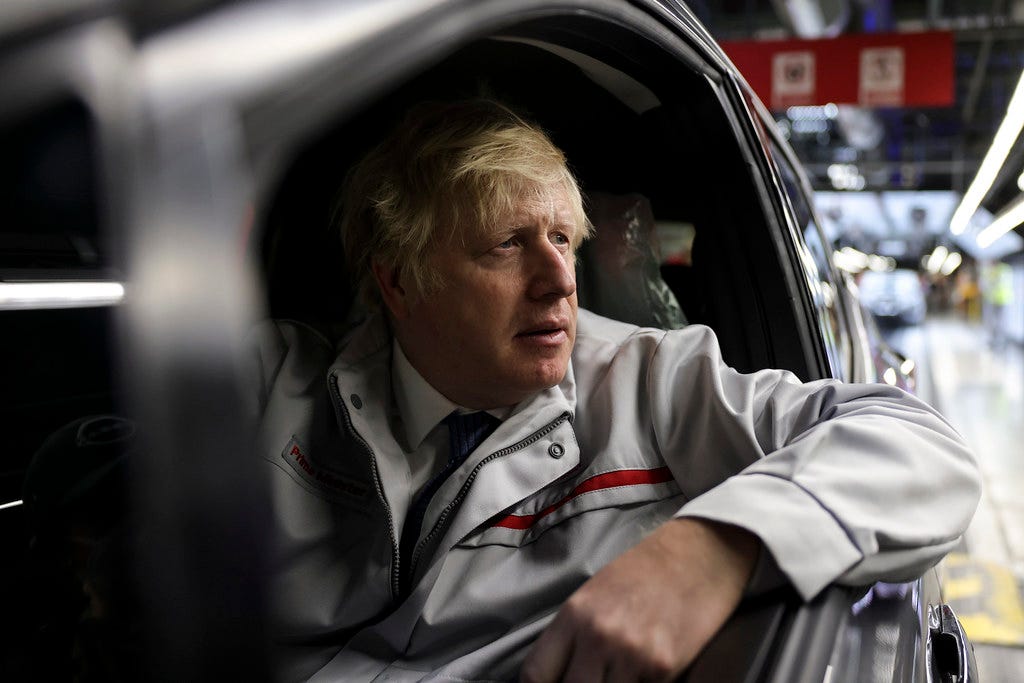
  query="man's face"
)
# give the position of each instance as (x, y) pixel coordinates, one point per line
(504, 323)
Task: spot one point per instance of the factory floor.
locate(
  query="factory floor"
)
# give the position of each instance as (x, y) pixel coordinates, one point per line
(978, 384)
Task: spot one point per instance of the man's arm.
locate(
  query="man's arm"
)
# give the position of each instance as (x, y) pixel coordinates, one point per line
(842, 483)
(833, 482)
(646, 615)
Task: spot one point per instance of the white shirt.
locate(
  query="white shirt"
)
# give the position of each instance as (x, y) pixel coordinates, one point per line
(422, 408)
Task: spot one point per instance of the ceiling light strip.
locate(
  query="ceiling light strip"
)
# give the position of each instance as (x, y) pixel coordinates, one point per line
(1003, 141)
(1006, 221)
(36, 295)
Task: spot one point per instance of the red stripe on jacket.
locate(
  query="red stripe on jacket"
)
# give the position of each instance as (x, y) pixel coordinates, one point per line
(596, 483)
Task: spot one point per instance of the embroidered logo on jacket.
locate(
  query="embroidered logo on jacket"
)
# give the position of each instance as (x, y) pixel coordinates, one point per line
(301, 463)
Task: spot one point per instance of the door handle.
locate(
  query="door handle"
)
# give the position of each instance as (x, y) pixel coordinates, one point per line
(950, 654)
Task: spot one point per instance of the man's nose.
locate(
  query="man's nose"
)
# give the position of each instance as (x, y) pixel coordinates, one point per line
(553, 274)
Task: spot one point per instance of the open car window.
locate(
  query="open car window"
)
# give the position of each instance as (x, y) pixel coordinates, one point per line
(643, 123)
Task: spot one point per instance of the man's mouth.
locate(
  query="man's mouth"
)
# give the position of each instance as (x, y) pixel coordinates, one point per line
(546, 326)
(546, 333)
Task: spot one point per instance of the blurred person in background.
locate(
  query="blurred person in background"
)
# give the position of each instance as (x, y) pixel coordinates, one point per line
(997, 293)
(967, 295)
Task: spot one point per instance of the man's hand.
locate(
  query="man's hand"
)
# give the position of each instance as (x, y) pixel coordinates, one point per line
(646, 615)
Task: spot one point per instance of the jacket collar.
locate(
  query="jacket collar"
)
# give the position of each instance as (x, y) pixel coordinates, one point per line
(366, 352)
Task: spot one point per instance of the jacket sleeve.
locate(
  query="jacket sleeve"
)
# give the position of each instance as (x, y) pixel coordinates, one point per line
(847, 483)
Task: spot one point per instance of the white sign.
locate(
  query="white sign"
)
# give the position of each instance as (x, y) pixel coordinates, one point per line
(881, 76)
(792, 79)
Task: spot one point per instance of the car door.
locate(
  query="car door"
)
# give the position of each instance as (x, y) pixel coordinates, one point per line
(64, 106)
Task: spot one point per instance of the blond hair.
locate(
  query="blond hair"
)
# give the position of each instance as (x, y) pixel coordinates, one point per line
(446, 169)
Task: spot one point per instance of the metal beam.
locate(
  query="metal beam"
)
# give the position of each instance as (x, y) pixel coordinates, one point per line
(977, 79)
(950, 166)
(980, 67)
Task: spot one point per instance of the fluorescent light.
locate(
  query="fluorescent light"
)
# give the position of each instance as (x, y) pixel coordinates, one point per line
(1003, 223)
(12, 504)
(907, 366)
(1020, 182)
(889, 376)
(1003, 141)
(850, 260)
(20, 295)
(937, 258)
(951, 263)
(881, 264)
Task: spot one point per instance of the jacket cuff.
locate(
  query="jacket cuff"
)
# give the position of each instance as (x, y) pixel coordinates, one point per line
(806, 543)
(766, 575)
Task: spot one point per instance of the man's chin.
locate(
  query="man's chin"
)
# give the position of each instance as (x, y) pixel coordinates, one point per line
(549, 375)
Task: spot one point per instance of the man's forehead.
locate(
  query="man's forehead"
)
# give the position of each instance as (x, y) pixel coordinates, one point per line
(549, 205)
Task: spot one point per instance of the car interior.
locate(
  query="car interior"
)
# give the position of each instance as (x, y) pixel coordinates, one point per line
(658, 149)
(681, 229)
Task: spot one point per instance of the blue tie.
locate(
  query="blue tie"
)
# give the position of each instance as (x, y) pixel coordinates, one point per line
(465, 433)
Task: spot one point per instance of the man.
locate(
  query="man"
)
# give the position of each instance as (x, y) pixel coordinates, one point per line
(481, 482)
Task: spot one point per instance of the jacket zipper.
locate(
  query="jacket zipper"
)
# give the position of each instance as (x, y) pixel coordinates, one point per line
(341, 414)
(418, 550)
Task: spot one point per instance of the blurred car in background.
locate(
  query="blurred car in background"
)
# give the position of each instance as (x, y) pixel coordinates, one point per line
(895, 297)
(191, 152)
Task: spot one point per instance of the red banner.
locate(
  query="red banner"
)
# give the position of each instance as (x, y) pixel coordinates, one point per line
(877, 70)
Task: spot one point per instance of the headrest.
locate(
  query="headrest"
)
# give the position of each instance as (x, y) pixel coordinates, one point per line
(618, 274)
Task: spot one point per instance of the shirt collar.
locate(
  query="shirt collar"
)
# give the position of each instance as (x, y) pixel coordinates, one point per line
(422, 406)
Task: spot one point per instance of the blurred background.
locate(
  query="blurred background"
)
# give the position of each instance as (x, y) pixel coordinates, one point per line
(907, 116)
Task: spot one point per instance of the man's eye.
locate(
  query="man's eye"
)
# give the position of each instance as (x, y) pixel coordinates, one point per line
(507, 244)
(560, 239)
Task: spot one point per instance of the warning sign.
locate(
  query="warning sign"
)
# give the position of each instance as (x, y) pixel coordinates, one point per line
(792, 79)
(905, 69)
(882, 77)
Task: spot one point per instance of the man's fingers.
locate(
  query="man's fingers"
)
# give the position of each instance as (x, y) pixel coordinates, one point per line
(587, 665)
(634, 619)
(549, 656)
(618, 671)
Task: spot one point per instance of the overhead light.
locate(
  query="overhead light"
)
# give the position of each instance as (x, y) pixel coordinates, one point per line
(846, 177)
(808, 126)
(907, 366)
(22, 295)
(1003, 223)
(937, 258)
(850, 259)
(889, 376)
(812, 113)
(951, 263)
(881, 264)
(1003, 141)
(1020, 182)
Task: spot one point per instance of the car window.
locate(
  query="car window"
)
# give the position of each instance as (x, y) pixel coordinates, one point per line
(819, 273)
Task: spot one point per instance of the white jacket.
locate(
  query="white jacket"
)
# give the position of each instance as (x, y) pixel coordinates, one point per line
(842, 483)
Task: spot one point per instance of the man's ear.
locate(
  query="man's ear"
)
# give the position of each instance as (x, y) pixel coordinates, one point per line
(391, 290)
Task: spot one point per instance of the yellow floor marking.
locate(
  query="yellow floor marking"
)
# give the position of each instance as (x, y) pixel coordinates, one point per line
(986, 598)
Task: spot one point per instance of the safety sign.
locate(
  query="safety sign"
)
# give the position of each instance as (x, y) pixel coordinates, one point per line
(882, 76)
